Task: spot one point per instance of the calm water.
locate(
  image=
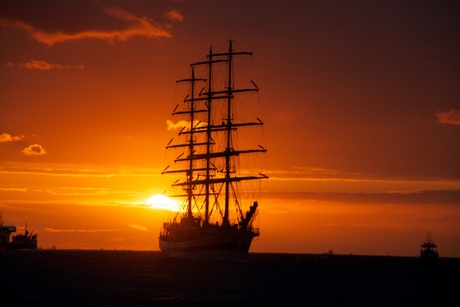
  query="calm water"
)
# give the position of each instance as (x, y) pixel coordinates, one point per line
(122, 278)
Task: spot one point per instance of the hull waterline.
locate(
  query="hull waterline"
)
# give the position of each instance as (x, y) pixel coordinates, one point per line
(217, 245)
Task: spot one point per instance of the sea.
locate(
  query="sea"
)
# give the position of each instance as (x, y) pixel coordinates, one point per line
(148, 278)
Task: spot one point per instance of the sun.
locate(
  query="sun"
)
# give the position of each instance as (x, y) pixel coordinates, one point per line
(160, 201)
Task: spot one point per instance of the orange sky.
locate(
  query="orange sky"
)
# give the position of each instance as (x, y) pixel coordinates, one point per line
(360, 101)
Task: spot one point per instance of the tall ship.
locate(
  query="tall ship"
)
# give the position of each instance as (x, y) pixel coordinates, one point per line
(219, 206)
(428, 249)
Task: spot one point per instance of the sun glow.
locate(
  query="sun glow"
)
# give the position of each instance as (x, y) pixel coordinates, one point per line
(160, 201)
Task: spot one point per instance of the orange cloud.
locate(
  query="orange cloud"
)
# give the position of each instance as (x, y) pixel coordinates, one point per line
(182, 123)
(451, 117)
(78, 230)
(34, 150)
(69, 170)
(132, 26)
(174, 15)
(43, 65)
(173, 126)
(6, 137)
(138, 227)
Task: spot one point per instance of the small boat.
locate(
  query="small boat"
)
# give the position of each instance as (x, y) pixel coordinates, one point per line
(214, 222)
(429, 248)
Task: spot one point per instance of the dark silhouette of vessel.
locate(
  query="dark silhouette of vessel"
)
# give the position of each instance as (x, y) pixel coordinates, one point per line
(214, 223)
(28, 240)
(429, 248)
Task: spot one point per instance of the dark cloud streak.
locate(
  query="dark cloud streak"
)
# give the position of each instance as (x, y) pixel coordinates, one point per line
(52, 22)
(60, 16)
(438, 197)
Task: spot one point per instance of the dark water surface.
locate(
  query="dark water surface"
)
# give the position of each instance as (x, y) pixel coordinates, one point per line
(133, 278)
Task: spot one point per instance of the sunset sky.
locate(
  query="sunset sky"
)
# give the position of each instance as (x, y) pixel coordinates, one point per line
(360, 100)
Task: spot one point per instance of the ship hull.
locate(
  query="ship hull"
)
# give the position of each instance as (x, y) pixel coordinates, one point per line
(230, 245)
(29, 245)
(429, 254)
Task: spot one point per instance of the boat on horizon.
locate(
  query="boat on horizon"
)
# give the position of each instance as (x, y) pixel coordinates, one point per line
(28, 240)
(428, 249)
(214, 223)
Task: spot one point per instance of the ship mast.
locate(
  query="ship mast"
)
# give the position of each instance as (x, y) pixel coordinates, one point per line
(209, 141)
(190, 143)
(189, 188)
(229, 126)
(228, 132)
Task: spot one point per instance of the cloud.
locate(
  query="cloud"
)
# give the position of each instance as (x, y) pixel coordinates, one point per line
(138, 227)
(174, 15)
(43, 65)
(179, 125)
(34, 150)
(439, 197)
(14, 189)
(451, 117)
(78, 191)
(6, 137)
(182, 123)
(58, 22)
(70, 170)
(78, 230)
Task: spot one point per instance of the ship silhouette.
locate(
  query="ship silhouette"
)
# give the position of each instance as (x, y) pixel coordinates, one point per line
(214, 224)
(428, 249)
